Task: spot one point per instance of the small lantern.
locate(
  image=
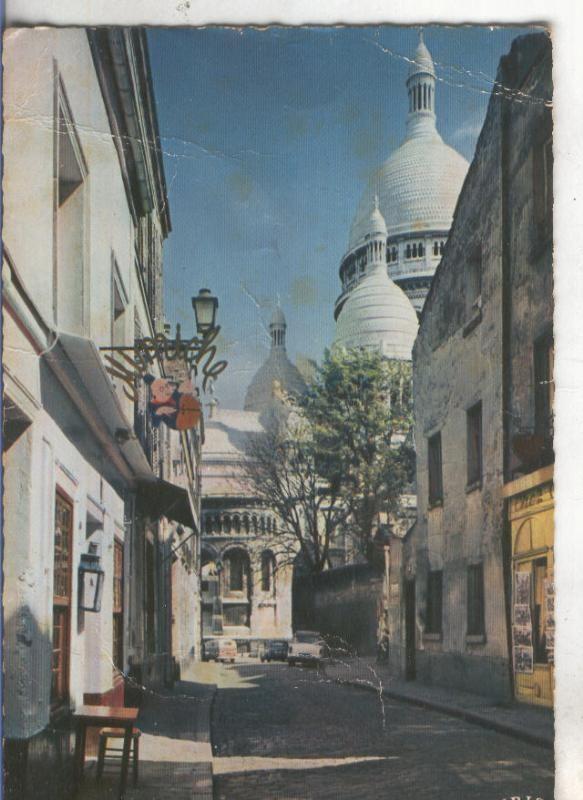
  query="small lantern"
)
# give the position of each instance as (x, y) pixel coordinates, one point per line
(205, 307)
(91, 577)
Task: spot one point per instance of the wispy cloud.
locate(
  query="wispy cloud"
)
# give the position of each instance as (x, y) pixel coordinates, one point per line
(469, 130)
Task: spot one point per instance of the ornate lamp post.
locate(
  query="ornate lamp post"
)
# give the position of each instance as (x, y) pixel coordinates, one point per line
(205, 307)
(129, 363)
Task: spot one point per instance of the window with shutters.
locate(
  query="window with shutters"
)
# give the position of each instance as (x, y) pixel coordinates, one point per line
(62, 573)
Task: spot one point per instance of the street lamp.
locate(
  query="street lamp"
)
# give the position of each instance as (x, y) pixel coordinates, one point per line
(205, 307)
(91, 578)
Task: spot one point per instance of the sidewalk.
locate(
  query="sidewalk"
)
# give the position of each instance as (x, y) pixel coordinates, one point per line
(532, 724)
(175, 749)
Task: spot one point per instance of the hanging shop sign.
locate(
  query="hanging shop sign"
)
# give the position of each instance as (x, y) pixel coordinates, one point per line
(130, 364)
(173, 403)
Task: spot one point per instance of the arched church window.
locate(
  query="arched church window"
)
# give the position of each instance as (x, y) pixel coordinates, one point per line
(424, 95)
(435, 248)
(226, 524)
(255, 524)
(246, 523)
(429, 97)
(408, 251)
(237, 523)
(414, 251)
(419, 97)
(236, 572)
(262, 523)
(421, 250)
(441, 246)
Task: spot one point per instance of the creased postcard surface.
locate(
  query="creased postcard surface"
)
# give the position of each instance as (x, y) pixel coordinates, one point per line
(278, 412)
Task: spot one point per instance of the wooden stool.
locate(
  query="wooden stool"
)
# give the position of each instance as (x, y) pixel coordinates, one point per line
(117, 733)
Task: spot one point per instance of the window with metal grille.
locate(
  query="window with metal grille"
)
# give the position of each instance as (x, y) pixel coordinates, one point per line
(474, 444)
(475, 602)
(61, 599)
(117, 604)
(434, 601)
(435, 469)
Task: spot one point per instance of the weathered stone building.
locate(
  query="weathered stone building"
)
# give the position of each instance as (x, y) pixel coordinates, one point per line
(483, 397)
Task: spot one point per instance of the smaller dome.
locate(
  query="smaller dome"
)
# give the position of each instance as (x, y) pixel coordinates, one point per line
(422, 61)
(378, 314)
(278, 317)
(376, 222)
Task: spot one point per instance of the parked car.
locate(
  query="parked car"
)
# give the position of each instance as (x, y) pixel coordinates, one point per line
(220, 650)
(227, 650)
(307, 647)
(275, 650)
(210, 650)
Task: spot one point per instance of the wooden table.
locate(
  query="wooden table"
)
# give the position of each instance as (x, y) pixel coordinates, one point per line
(99, 717)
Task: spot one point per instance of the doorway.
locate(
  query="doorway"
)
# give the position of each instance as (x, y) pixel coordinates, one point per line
(410, 665)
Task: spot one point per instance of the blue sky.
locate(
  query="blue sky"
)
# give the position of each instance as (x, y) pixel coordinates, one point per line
(269, 137)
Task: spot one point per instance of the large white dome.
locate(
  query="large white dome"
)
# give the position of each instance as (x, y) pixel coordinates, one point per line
(418, 187)
(377, 314)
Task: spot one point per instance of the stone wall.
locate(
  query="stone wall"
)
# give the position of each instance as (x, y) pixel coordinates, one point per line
(342, 603)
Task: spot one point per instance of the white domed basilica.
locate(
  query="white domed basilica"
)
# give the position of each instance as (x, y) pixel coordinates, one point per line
(417, 189)
(277, 375)
(376, 312)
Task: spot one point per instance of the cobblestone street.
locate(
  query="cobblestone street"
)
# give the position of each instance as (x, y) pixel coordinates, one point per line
(290, 733)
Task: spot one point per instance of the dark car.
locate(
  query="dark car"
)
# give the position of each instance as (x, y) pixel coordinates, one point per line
(275, 650)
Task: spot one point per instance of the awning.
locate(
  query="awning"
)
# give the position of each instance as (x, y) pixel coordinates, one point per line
(78, 365)
(164, 499)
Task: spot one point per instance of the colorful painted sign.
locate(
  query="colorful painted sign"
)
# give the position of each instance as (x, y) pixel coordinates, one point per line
(173, 403)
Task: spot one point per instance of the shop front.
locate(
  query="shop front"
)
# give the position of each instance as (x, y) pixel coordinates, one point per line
(531, 519)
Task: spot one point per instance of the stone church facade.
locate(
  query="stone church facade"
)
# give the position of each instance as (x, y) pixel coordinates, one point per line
(246, 587)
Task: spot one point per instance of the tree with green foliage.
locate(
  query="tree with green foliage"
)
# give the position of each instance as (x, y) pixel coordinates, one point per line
(360, 416)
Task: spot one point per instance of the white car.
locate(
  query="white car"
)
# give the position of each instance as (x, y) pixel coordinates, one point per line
(307, 647)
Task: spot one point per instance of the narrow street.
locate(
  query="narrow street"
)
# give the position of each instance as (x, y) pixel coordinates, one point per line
(281, 732)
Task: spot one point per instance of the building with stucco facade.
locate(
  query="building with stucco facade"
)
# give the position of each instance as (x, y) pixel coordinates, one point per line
(86, 475)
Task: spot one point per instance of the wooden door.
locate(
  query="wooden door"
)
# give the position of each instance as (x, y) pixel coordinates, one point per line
(62, 577)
